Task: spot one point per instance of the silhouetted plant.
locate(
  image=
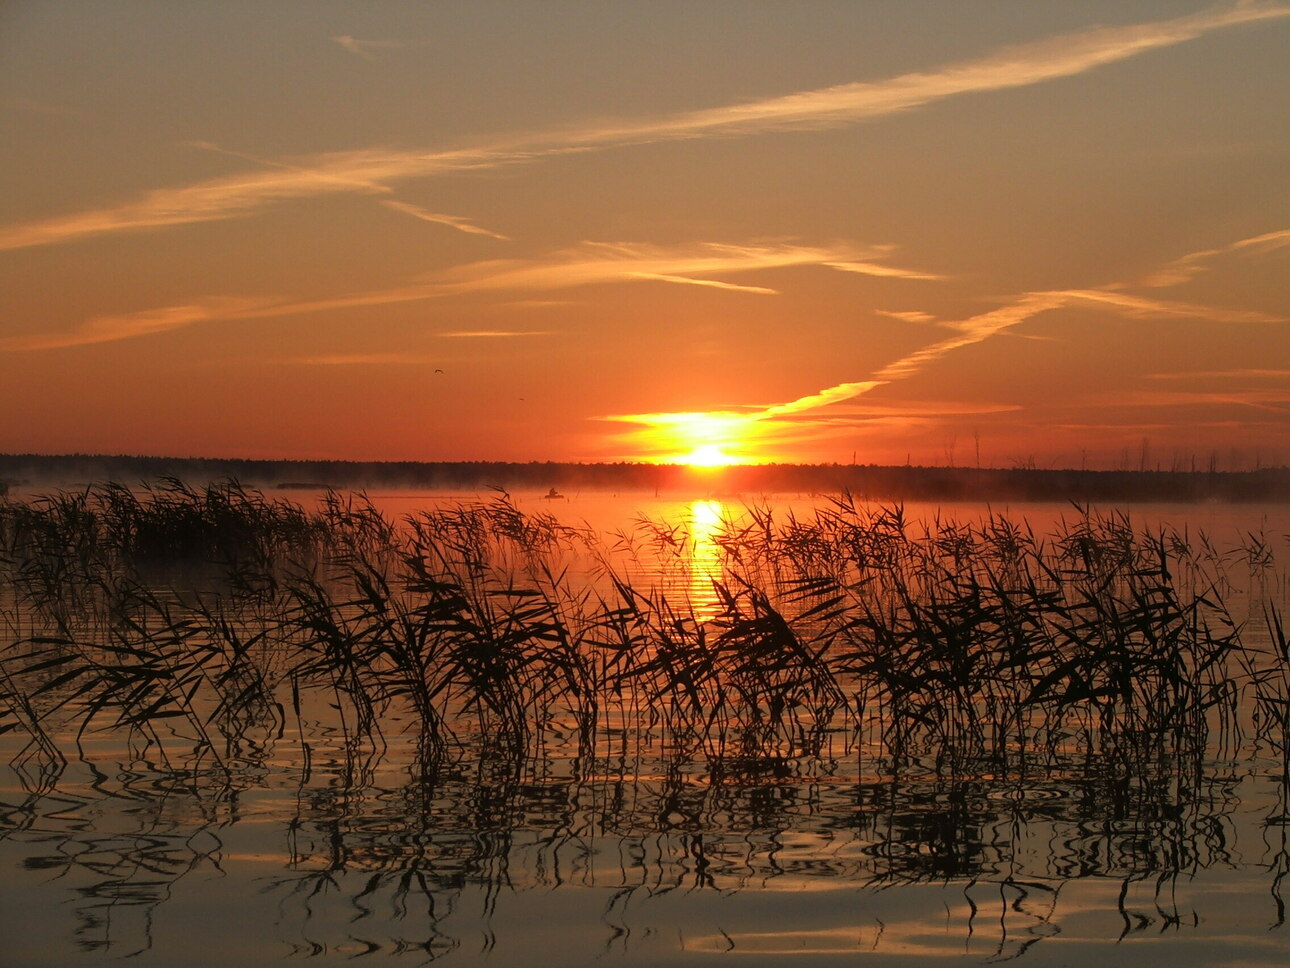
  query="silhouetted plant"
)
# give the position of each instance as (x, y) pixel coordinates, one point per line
(974, 647)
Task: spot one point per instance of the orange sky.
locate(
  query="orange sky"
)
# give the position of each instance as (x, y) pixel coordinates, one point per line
(999, 233)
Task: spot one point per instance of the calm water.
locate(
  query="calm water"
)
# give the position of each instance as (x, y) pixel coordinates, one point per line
(642, 858)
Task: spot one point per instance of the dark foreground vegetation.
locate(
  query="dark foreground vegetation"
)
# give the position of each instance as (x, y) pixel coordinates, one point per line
(865, 481)
(476, 699)
(216, 621)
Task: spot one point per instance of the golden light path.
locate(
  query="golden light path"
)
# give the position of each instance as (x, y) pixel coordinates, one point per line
(706, 520)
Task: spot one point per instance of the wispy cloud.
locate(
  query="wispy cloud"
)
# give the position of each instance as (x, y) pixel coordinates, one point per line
(1141, 426)
(711, 283)
(875, 269)
(973, 330)
(736, 427)
(923, 408)
(1012, 67)
(493, 333)
(594, 263)
(1233, 374)
(1274, 399)
(584, 265)
(908, 316)
(365, 48)
(835, 394)
(997, 321)
(368, 171)
(211, 200)
(107, 329)
(1187, 267)
(1140, 307)
(363, 359)
(343, 181)
(986, 325)
(351, 172)
(452, 221)
(603, 263)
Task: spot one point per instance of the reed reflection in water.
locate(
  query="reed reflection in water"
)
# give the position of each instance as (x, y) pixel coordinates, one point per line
(485, 866)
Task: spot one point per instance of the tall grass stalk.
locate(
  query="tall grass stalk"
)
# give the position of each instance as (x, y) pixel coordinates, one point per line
(218, 621)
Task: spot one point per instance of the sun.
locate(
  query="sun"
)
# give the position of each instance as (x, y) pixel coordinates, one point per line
(704, 439)
(709, 455)
(700, 439)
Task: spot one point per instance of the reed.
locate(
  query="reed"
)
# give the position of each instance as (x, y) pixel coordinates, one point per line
(218, 621)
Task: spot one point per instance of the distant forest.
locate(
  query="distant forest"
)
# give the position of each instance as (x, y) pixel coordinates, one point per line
(862, 480)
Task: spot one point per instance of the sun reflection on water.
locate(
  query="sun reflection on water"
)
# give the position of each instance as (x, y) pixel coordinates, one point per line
(705, 521)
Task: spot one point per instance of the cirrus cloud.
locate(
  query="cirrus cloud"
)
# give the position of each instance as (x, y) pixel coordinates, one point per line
(371, 170)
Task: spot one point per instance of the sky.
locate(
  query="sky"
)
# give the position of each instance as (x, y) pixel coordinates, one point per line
(999, 234)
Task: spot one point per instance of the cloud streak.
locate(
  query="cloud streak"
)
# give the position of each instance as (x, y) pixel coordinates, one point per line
(595, 263)
(1245, 373)
(711, 283)
(452, 221)
(362, 359)
(1273, 399)
(600, 263)
(108, 329)
(736, 427)
(1140, 307)
(370, 171)
(1012, 67)
(832, 395)
(1187, 267)
(364, 48)
(875, 269)
(997, 321)
(908, 316)
(585, 265)
(975, 329)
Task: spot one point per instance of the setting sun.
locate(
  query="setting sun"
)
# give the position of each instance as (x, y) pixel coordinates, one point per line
(709, 455)
(700, 439)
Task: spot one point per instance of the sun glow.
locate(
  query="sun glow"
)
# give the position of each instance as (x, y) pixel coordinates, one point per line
(709, 455)
(720, 438)
(714, 438)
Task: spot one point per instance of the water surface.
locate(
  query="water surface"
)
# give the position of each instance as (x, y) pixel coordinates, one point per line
(632, 851)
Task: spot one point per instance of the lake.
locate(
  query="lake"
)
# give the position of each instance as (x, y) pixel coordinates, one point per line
(643, 730)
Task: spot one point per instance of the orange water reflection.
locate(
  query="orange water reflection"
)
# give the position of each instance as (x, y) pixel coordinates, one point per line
(705, 521)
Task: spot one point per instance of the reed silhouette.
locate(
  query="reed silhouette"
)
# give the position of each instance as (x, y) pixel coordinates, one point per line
(217, 613)
(513, 688)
